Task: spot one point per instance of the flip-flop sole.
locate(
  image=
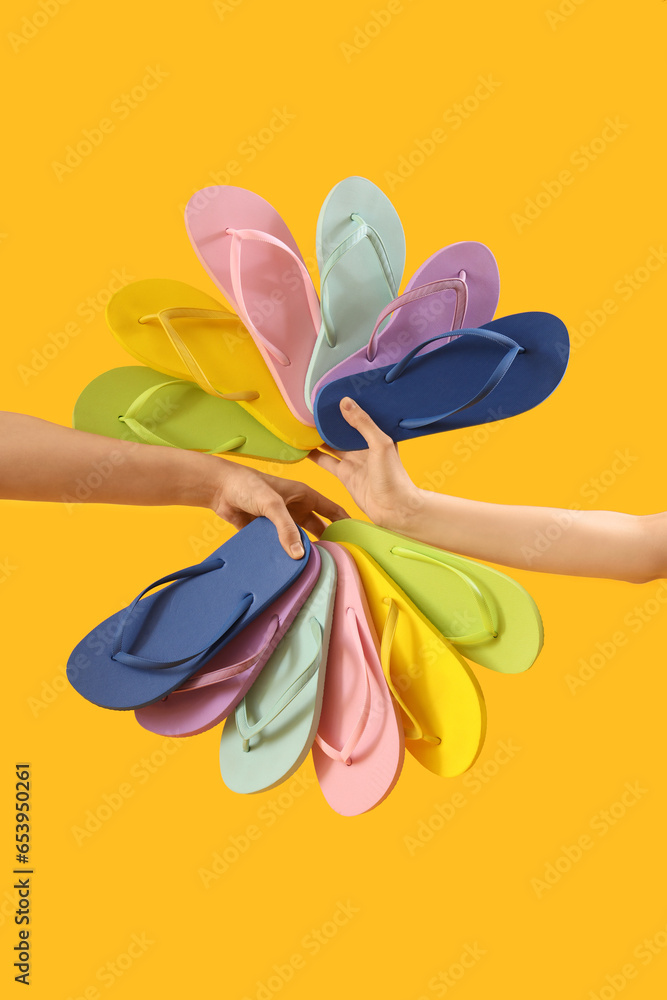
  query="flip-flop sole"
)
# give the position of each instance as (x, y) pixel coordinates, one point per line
(447, 378)
(190, 711)
(280, 749)
(273, 290)
(180, 412)
(447, 600)
(355, 679)
(356, 289)
(434, 681)
(178, 629)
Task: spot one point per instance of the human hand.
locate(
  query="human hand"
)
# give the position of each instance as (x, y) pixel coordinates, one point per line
(241, 494)
(375, 477)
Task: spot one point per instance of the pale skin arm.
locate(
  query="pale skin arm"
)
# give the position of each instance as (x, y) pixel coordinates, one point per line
(550, 540)
(44, 461)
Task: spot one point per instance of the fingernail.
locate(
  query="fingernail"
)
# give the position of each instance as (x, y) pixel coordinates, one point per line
(347, 403)
(297, 550)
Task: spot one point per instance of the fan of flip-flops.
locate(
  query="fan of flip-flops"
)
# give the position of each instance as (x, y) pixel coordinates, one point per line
(356, 651)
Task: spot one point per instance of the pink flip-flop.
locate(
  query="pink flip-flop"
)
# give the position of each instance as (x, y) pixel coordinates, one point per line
(360, 746)
(457, 286)
(211, 694)
(250, 254)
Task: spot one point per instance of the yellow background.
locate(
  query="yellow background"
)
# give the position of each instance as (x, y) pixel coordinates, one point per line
(356, 111)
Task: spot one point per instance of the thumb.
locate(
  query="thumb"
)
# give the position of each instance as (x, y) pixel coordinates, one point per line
(272, 506)
(369, 430)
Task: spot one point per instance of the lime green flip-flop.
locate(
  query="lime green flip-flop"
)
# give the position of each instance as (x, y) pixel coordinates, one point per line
(141, 405)
(275, 725)
(488, 616)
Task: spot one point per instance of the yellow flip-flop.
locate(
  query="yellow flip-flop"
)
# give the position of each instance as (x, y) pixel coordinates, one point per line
(442, 704)
(180, 331)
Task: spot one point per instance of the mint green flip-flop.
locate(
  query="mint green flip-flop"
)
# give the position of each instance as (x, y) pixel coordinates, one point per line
(488, 616)
(141, 405)
(275, 725)
(361, 255)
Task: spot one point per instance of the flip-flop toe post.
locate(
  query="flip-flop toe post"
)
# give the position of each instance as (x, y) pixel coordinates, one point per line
(500, 370)
(484, 613)
(145, 651)
(361, 255)
(458, 286)
(211, 694)
(273, 727)
(249, 252)
(359, 749)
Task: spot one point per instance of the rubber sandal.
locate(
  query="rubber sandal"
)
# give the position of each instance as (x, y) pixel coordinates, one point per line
(144, 406)
(443, 708)
(182, 332)
(213, 692)
(250, 254)
(458, 286)
(361, 255)
(273, 728)
(359, 748)
(145, 651)
(484, 613)
(500, 370)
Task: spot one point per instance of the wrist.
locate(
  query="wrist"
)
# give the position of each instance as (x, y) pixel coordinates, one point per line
(405, 516)
(200, 479)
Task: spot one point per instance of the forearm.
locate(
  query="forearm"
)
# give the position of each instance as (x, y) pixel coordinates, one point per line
(44, 461)
(578, 543)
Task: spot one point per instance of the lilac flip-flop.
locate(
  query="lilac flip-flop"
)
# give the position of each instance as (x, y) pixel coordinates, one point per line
(211, 694)
(457, 286)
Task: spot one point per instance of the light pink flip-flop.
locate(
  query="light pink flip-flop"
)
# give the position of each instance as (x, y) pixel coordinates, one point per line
(360, 746)
(250, 254)
(213, 692)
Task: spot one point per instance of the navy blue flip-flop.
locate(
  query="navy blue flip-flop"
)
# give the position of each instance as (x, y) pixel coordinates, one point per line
(144, 652)
(499, 370)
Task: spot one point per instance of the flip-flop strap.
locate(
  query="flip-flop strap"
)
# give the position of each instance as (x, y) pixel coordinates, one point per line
(489, 631)
(388, 633)
(238, 236)
(353, 739)
(501, 369)
(132, 413)
(246, 731)
(131, 660)
(165, 316)
(224, 673)
(458, 285)
(363, 231)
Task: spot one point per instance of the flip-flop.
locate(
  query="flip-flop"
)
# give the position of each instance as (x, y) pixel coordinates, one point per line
(457, 286)
(179, 331)
(361, 255)
(145, 651)
(486, 614)
(250, 254)
(442, 704)
(213, 692)
(273, 728)
(499, 370)
(359, 748)
(144, 406)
